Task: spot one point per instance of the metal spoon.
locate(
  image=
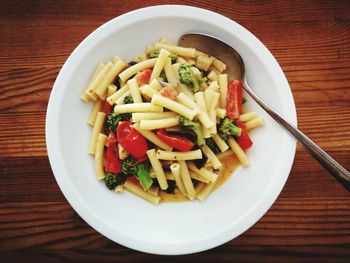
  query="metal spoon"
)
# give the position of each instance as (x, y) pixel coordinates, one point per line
(235, 70)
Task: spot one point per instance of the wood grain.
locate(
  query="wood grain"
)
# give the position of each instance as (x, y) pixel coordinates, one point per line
(310, 221)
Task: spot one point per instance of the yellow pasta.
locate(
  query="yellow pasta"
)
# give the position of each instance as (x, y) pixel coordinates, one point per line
(214, 86)
(137, 117)
(175, 170)
(159, 124)
(158, 169)
(96, 130)
(166, 41)
(204, 62)
(211, 157)
(134, 91)
(95, 109)
(109, 77)
(111, 90)
(198, 177)
(247, 116)
(112, 99)
(96, 82)
(202, 115)
(174, 106)
(137, 107)
(221, 113)
(256, 122)
(223, 89)
(181, 51)
(220, 143)
(170, 73)
(242, 157)
(186, 179)
(120, 100)
(219, 65)
(208, 175)
(179, 156)
(137, 190)
(212, 76)
(212, 99)
(148, 91)
(101, 140)
(98, 69)
(160, 62)
(146, 64)
(203, 194)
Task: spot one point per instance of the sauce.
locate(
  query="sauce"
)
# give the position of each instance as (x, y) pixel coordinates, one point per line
(230, 164)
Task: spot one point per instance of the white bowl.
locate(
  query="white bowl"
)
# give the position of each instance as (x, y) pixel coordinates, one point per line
(170, 228)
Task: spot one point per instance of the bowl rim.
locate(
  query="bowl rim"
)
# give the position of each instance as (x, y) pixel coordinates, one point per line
(57, 163)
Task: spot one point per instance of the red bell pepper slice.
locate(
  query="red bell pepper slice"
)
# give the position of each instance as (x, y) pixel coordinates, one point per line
(107, 108)
(144, 76)
(131, 140)
(234, 99)
(243, 140)
(113, 164)
(179, 143)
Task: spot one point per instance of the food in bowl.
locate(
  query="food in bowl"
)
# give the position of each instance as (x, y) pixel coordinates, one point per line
(169, 125)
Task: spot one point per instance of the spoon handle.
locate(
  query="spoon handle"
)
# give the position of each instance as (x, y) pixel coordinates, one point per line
(334, 168)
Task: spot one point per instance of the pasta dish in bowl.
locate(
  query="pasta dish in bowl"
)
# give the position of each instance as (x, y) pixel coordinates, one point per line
(160, 127)
(170, 114)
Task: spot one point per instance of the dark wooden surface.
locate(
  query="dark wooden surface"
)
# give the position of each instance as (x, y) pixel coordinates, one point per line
(309, 222)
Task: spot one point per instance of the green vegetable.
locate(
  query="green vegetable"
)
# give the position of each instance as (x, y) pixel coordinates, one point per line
(112, 180)
(140, 170)
(194, 127)
(228, 128)
(212, 145)
(128, 100)
(187, 77)
(244, 100)
(113, 119)
(155, 54)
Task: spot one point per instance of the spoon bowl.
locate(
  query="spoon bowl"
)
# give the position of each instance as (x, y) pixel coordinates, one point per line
(236, 70)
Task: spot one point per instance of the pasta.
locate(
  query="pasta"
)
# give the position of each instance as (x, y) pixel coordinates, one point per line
(85, 96)
(179, 156)
(159, 124)
(101, 140)
(137, 107)
(157, 166)
(96, 130)
(138, 116)
(135, 91)
(174, 106)
(95, 109)
(167, 126)
(109, 77)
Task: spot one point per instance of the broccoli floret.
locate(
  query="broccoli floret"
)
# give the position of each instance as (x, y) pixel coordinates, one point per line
(187, 77)
(194, 127)
(228, 128)
(128, 100)
(155, 54)
(212, 145)
(112, 180)
(113, 119)
(140, 170)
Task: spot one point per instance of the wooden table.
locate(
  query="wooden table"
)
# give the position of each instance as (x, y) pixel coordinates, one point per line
(310, 220)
